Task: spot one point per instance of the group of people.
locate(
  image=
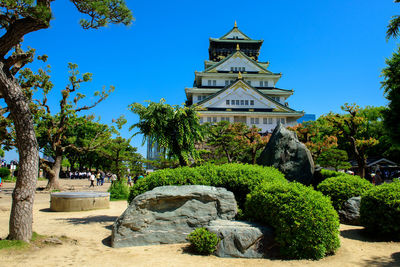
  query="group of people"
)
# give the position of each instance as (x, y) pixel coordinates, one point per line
(133, 180)
(100, 177)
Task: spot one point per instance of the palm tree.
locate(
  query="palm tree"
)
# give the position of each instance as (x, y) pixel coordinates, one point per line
(394, 26)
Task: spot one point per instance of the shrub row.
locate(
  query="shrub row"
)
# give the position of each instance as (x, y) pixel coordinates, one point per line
(380, 209)
(306, 225)
(342, 187)
(238, 178)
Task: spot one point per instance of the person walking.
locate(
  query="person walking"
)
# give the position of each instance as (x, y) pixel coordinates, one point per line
(113, 178)
(98, 178)
(91, 180)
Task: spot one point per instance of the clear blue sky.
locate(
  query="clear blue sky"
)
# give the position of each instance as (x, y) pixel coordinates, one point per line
(330, 52)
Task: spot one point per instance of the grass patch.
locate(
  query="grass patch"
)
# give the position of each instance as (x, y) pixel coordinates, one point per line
(13, 244)
(37, 241)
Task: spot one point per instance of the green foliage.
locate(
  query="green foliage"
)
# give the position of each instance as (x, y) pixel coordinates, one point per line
(237, 178)
(203, 241)
(306, 225)
(119, 190)
(233, 142)
(175, 129)
(380, 209)
(342, 187)
(4, 172)
(13, 244)
(335, 158)
(391, 86)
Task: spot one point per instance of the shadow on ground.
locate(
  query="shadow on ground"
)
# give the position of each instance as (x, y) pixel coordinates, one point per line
(90, 219)
(393, 260)
(362, 235)
(107, 241)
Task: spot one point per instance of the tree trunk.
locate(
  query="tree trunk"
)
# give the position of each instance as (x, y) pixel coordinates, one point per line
(182, 161)
(54, 175)
(20, 226)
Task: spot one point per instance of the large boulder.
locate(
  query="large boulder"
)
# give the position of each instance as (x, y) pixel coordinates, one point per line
(350, 213)
(167, 214)
(286, 153)
(242, 239)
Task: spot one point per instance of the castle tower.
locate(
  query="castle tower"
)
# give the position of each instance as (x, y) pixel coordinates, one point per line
(234, 86)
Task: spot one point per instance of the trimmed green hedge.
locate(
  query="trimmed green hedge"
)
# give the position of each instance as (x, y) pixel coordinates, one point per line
(240, 179)
(306, 225)
(343, 187)
(119, 190)
(4, 173)
(380, 209)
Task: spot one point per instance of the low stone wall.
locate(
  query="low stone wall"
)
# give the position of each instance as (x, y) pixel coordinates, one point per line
(79, 201)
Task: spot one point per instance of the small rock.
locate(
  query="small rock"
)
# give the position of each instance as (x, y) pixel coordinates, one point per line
(52, 241)
(351, 211)
(242, 239)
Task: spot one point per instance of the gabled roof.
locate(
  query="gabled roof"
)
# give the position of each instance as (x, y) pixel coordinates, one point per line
(241, 54)
(235, 29)
(239, 80)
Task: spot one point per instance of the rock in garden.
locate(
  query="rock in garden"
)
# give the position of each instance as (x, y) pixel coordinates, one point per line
(242, 239)
(350, 214)
(286, 153)
(167, 214)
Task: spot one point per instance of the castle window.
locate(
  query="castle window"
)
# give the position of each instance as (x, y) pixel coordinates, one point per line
(266, 83)
(214, 82)
(233, 102)
(226, 82)
(241, 102)
(199, 97)
(249, 82)
(251, 102)
(254, 121)
(246, 102)
(214, 119)
(227, 102)
(208, 119)
(237, 103)
(261, 84)
(209, 82)
(269, 120)
(265, 120)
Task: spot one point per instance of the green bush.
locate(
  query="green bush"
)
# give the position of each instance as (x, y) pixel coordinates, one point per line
(4, 173)
(306, 225)
(119, 190)
(328, 173)
(237, 178)
(343, 187)
(380, 209)
(203, 241)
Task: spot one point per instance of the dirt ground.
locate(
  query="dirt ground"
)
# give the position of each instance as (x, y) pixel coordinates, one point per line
(92, 230)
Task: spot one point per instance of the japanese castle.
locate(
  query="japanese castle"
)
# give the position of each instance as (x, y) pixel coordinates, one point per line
(234, 86)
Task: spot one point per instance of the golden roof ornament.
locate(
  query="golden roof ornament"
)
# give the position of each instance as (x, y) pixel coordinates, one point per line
(240, 76)
(235, 24)
(237, 47)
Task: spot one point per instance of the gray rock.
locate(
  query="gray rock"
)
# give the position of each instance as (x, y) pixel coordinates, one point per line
(242, 239)
(351, 211)
(166, 215)
(286, 153)
(52, 241)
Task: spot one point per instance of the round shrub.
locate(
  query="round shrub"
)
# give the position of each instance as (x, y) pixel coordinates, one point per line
(240, 179)
(343, 187)
(119, 190)
(4, 172)
(306, 225)
(203, 241)
(380, 209)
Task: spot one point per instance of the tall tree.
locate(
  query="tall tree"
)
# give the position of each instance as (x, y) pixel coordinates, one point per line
(391, 86)
(57, 132)
(175, 129)
(17, 19)
(352, 127)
